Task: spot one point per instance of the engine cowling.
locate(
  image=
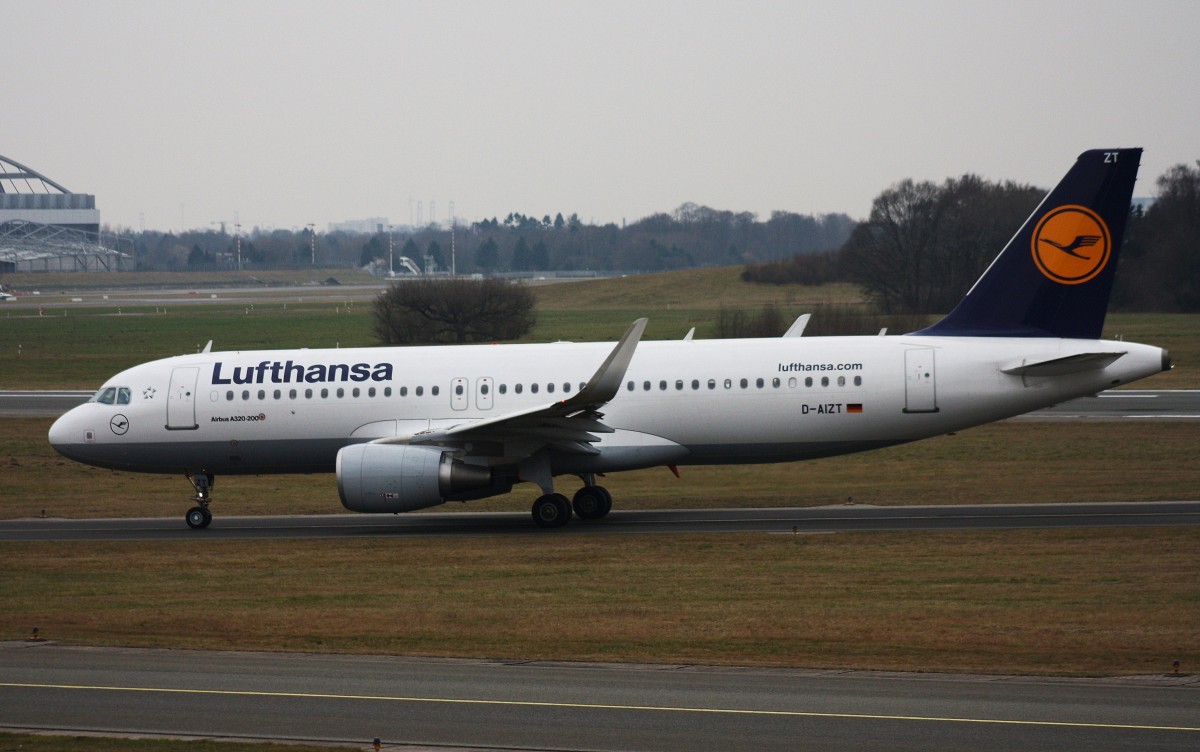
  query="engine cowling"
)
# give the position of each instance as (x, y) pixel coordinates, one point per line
(402, 477)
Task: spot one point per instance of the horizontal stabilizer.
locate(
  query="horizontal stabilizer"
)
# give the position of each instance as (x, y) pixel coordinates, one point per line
(1063, 366)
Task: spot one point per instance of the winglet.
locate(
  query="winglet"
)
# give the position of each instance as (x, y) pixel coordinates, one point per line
(797, 327)
(606, 382)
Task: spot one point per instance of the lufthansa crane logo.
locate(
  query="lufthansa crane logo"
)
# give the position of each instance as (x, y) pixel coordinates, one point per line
(1071, 244)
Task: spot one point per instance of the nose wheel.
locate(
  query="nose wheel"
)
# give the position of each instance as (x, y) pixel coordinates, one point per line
(198, 517)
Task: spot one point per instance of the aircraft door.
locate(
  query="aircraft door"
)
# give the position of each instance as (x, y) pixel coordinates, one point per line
(920, 381)
(458, 393)
(483, 393)
(181, 399)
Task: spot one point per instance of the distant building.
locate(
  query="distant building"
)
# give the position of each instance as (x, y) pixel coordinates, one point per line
(33, 197)
(361, 226)
(45, 227)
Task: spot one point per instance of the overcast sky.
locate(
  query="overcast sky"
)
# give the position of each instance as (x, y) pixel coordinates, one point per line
(294, 112)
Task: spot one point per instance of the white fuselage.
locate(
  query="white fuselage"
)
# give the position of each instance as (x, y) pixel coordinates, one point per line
(681, 402)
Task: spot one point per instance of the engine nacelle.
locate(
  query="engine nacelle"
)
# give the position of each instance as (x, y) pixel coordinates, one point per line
(402, 477)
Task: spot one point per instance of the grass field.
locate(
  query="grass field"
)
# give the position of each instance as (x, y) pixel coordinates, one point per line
(73, 347)
(1029, 602)
(57, 743)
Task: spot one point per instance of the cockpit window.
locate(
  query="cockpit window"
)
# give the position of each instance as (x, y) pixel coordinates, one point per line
(112, 395)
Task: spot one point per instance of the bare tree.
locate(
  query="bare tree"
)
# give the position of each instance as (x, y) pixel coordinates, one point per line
(428, 311)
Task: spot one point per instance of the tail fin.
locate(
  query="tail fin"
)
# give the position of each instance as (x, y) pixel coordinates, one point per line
(1054, 277)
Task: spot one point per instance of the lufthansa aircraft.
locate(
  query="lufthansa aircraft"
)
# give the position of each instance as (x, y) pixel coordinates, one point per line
(408, 428)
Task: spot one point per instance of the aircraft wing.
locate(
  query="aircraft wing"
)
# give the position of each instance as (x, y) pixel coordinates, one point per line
(567, 425)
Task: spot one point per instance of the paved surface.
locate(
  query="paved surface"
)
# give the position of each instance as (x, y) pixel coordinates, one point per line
(523, 705)
(779, 521)
(1122, 404)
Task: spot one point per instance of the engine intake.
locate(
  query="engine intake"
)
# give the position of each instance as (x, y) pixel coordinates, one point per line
(402, 477)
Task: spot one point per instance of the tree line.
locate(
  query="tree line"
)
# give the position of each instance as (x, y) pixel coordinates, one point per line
(925, 244)
(691, 236)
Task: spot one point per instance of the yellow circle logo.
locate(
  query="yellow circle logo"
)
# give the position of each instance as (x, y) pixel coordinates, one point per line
(1071, 244)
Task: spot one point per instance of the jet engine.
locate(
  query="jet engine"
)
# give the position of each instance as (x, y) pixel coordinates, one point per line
(402, 477)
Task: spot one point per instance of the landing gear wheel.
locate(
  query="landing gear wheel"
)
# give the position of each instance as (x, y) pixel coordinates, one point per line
(592, 502)
(198, 518)
(551, 510)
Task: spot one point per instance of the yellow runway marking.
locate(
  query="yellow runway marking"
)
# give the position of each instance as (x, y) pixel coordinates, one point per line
(597, 706)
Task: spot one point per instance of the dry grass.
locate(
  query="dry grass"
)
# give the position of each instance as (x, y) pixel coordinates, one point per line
(1029, 602)
(1001, 463)
(92, 743)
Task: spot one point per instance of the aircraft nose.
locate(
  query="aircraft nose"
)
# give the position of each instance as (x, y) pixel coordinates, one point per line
(63, 432)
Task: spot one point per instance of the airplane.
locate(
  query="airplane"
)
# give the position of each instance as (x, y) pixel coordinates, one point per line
(7, 296)
(405, 428)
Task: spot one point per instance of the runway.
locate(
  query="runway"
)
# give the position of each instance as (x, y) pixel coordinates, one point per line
(772, 521)
(1120, 404)
(481, 704)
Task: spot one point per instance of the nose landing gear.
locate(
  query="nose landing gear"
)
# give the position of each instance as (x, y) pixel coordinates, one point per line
(198, 517)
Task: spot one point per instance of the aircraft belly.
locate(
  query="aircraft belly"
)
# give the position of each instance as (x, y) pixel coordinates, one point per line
(266, 456)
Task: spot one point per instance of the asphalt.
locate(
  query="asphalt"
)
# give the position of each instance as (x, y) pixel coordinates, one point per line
(771, 521)
(482, 704)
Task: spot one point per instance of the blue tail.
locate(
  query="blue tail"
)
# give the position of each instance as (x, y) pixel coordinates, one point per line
(1054, 277)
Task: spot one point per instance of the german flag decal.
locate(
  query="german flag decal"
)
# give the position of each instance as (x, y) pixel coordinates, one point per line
(854, 407)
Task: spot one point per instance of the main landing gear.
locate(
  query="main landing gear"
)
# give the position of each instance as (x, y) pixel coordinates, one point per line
(198, 517)
(590, 503)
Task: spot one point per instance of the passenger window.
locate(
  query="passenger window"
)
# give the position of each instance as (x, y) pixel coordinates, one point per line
(229, 395)
(458, 389)
(858, 380)
(728, 383)
(759, 383)
(646, 385)
(566, 387)
(370, 392)
(245, 395)
(775, 382)
(403, 391)
(504, 388)
(262, 394)
(841, 380)
(629, 386)
(291, 394)
(745, 383)
(662, 385)
(420, 391)
(324, 394)
(278, 394)
(550, 387)
(434, 390)
(533, 388)
(483, 388)
(792, 382)
(387, 391)
(695, 383)
(307, 394)
(808, 380)
(341, 393)
(824, 381)
(519, 388)
(712, 383)
(679, 385)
